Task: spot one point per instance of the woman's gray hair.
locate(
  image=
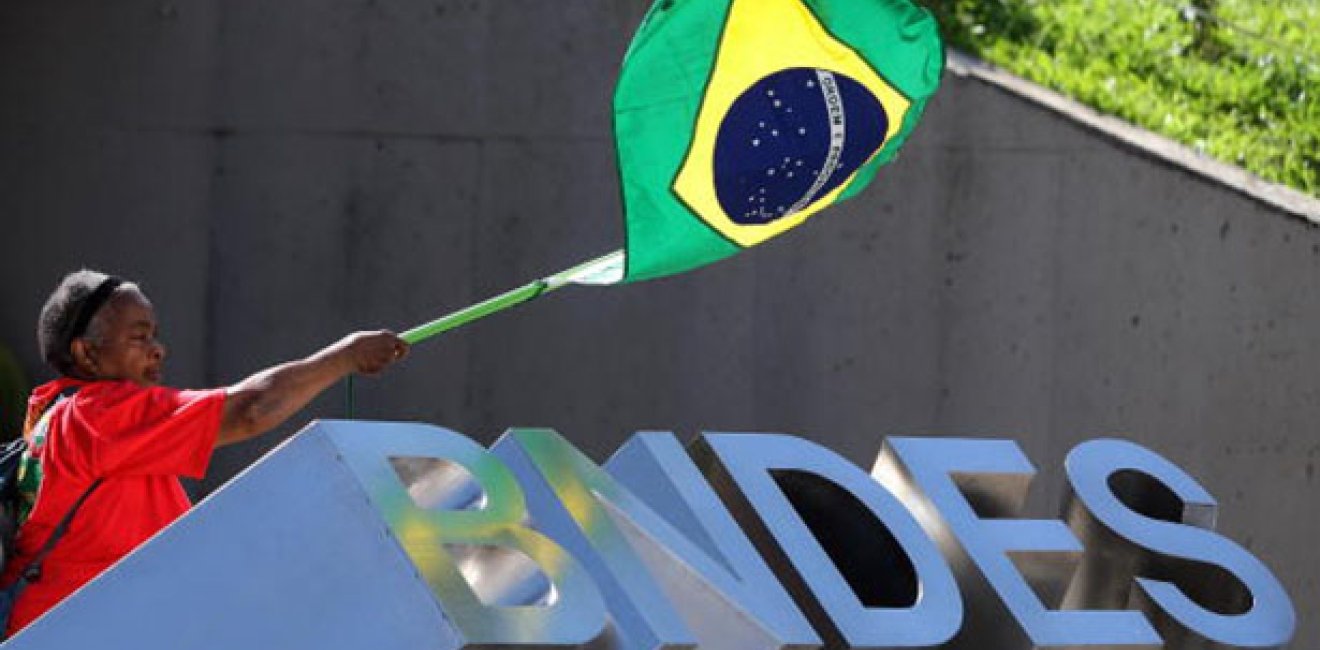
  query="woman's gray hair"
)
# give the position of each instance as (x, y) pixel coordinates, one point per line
(65, 311)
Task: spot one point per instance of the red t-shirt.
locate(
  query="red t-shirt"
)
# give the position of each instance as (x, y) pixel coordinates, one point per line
(140, 440)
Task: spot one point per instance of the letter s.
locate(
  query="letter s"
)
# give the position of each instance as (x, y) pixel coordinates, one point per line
(1143, 518)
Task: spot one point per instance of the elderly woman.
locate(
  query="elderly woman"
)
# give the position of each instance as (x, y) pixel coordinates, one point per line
(112, 441)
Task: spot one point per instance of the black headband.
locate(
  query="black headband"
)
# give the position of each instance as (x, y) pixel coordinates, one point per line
(90, 306)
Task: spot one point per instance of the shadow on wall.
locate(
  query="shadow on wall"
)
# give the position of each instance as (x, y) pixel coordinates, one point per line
(13, 395)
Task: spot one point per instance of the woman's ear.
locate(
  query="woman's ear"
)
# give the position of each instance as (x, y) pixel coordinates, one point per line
(84, 356)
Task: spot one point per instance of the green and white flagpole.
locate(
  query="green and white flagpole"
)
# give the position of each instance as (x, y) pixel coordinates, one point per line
(604, 270)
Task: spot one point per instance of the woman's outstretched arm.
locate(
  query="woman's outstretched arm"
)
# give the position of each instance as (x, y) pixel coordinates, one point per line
(268, 398)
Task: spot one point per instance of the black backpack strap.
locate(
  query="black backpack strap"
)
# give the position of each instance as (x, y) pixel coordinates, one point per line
(32, 572)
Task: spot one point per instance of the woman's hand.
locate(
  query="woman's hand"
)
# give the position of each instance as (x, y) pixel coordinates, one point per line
(369, 353)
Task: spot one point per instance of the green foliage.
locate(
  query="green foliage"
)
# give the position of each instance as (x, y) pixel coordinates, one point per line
(1238, 80)
(13, 395)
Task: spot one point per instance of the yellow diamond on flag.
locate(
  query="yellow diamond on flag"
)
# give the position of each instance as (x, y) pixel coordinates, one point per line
(789, 115)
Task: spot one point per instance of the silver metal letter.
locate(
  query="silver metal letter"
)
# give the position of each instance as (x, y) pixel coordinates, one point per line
(857, 562)
(1147, 522)
(688, 577)
(461, 518)
(965, 492)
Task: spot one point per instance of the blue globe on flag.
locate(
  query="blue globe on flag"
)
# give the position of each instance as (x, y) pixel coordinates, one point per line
(792, 138)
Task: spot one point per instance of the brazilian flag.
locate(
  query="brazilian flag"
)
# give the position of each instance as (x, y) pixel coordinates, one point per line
(736, 120)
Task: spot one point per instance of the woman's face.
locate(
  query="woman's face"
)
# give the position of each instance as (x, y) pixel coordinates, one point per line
(121, 341)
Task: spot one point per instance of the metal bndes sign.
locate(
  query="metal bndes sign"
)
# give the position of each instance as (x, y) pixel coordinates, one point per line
(770, 541)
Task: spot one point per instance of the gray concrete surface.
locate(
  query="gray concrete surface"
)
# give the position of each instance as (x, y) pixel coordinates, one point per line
(277, 174)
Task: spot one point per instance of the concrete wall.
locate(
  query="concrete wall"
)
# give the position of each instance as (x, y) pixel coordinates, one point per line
(277, 174)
